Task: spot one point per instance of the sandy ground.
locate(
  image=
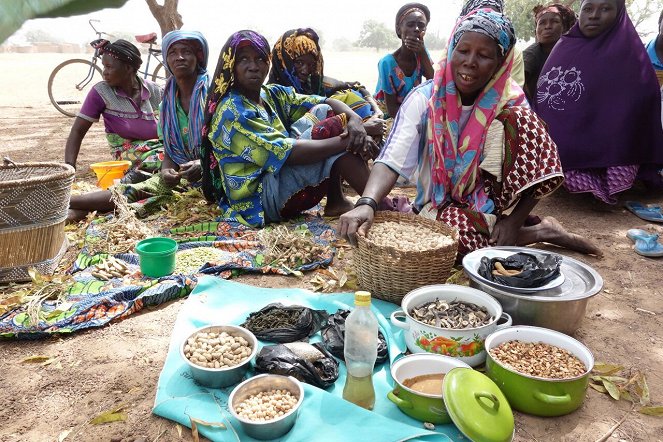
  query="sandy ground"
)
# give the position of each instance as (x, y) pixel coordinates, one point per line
(120, 363)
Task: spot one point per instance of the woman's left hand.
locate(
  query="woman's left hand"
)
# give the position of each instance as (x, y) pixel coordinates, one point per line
(191, 171)
(505, 232)
(356, 135)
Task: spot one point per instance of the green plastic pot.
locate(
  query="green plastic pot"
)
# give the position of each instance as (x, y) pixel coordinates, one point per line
(536, 395)
(157, 256)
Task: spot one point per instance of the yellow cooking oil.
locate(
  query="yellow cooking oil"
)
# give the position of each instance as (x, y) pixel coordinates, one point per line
(360, 391)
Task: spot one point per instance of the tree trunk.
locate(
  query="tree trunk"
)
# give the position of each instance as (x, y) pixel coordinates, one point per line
(167, 16)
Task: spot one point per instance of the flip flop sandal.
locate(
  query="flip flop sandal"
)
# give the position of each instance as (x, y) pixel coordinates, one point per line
(646, 244)
(648, 213)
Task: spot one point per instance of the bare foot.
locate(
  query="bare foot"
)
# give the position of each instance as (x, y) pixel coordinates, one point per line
(75, 215)
(345, 205)
(551, 231)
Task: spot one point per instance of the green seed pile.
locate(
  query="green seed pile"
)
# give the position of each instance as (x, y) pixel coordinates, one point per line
(191, 260)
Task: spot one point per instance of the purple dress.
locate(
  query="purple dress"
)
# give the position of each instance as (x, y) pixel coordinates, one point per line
(601, 101)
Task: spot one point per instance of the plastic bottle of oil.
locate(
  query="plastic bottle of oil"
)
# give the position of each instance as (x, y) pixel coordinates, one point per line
(360, 351)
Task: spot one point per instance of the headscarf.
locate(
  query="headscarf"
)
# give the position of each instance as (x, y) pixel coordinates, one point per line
(295, 43)
(223, 80)
(567, 14)
(194, 39)
(173, 143)
(121, 50)
(455, 156)
(600, 98)
(471, 5)
(499, 29)
(405, 10)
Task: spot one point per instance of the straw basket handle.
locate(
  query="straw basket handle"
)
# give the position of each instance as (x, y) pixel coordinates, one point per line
(8, 162)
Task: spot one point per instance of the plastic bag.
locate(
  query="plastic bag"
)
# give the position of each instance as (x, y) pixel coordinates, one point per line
(333, 336)
(536, 270)
(279, 359)
(302, 322)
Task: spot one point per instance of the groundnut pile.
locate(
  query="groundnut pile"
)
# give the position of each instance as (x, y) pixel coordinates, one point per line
(266, 405)
(216, 350)
(538, 359)
(407, 237)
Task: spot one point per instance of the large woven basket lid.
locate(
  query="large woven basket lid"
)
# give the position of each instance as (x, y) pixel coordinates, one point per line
(18, 174)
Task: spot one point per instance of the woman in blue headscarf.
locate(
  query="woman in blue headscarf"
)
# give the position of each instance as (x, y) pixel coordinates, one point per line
(185, 55)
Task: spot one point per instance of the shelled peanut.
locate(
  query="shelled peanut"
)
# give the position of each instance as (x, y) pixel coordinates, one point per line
(407, 237)
(216, 350)
(266, 405)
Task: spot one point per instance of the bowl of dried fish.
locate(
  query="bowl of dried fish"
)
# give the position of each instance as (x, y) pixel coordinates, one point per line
(540, 371)
(219, 355)
(450, 320)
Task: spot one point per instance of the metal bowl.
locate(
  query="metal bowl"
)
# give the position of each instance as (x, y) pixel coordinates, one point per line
(221, 377)
(561, 308)
(266, 382)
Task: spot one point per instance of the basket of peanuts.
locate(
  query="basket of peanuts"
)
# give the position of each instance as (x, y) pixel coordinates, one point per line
(219, 355)
(402, 252)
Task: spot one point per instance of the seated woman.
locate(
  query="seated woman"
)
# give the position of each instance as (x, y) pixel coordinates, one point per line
(477, 147)
(599, 96)
(252, 167)
(518, 67)
(551, 22)
(128, 104)
(655, 51)
(297, 62)
(180, 128)
(401, 71)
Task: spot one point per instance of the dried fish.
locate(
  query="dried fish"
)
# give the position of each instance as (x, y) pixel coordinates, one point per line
(454, 315)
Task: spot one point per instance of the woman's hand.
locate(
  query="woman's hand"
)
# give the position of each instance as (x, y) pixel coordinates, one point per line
(375, 127)
(416, 45)
(505, 232)
(355, 222)
(171, 177)
(356, 134)
(191, 171)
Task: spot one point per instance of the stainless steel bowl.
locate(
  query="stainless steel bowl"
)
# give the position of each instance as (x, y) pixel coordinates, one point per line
(561, 308)
(266, 382)
(221, 377)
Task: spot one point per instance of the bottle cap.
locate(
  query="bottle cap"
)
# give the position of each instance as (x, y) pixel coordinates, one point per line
(362, 298)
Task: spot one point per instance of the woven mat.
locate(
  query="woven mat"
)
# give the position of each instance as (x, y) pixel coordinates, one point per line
(93, 303)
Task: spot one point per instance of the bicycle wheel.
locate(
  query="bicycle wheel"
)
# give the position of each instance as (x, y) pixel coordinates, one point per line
(159, 75)
(70, 83)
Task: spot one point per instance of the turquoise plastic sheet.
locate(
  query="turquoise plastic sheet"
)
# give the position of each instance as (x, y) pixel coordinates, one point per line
(324, 415)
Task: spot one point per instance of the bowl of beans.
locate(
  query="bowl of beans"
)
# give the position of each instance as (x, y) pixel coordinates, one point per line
(266, 405)
(219, 355)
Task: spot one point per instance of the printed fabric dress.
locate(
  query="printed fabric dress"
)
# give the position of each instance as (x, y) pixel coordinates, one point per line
(393, 81)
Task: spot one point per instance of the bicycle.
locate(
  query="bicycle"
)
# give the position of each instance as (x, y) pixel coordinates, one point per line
(71, 80)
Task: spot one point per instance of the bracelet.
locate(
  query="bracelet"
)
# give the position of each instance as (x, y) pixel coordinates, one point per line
(367, 201)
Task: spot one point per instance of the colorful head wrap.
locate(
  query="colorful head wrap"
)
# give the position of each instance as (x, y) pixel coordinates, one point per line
(489, 23)
(223, 80)
(471, 5)
(295, 43)
(455, 155)
(120, 50)
(567, 14)
(405, 10)
(193, 38)
(173, 141)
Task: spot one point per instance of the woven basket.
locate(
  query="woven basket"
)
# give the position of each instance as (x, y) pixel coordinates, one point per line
(34, 200)
(389, 273)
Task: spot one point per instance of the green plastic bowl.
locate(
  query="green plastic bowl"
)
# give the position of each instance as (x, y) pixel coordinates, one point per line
(156, 256)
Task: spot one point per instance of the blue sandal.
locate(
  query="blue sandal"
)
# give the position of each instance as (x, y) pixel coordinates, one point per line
(648, 213)
(646, 244)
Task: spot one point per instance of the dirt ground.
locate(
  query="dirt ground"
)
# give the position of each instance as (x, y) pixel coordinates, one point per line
(120, 364)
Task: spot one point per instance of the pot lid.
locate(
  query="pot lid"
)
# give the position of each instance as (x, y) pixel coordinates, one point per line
(477, 406)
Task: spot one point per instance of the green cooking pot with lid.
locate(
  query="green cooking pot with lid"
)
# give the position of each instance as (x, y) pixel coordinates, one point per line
(469, 399)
